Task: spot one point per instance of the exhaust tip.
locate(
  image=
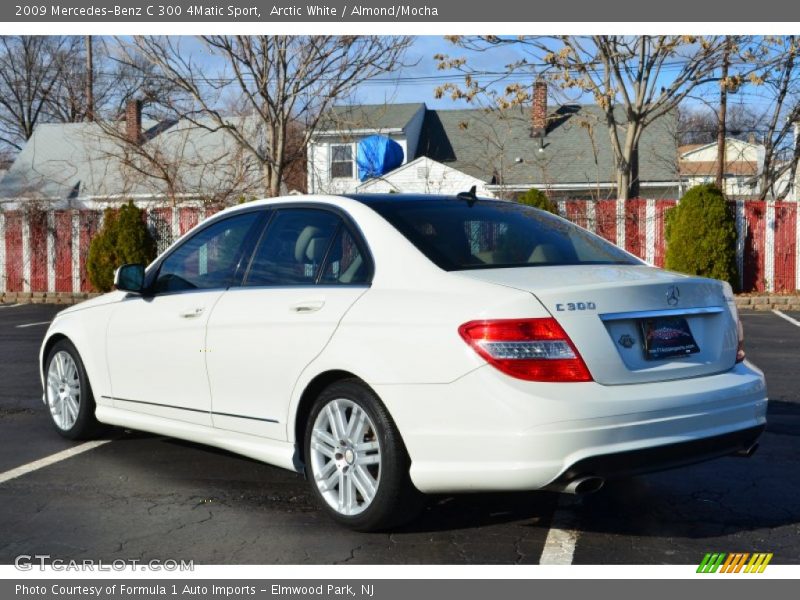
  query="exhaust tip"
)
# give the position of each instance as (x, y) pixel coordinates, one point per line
(584, 485)
(747, 452)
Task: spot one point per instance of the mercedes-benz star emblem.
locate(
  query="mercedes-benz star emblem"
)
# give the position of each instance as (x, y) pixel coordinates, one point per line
(626, 341)
(673, 295)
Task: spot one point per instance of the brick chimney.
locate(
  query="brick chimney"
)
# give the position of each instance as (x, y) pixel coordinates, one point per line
(539, 109)
(133, 121)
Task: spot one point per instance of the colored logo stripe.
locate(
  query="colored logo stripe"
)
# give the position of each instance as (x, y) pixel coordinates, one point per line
(734, 562)
(711, 562)
(758, 563)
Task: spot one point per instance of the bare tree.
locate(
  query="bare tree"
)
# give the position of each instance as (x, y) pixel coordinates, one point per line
(698, 124)
(45, 79)
(781, 79)
(31, 72)
(634, 79)
(116, 79)
(174, 161)
(281, 80)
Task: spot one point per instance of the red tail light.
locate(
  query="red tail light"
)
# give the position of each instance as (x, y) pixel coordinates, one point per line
(530, 349)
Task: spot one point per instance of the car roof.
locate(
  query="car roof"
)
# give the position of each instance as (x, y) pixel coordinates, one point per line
(381, 198)
(346, 200)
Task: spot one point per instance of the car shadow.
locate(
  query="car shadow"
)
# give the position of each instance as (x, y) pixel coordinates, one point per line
(720, 497)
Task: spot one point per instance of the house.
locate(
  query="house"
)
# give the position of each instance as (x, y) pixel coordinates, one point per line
(565, 152)
(332, 152)
(744, 162)
(93, 165)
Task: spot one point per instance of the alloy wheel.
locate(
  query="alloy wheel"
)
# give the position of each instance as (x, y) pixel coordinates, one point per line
(63, 390)
(345, 456)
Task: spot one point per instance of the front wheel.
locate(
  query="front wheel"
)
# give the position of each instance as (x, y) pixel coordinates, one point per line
(356, 461)
(69, 397)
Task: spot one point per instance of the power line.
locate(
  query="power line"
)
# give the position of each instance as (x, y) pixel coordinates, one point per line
(507, 75)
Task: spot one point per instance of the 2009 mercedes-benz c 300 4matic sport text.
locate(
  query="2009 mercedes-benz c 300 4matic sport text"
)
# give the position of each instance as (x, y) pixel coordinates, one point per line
(388, 345)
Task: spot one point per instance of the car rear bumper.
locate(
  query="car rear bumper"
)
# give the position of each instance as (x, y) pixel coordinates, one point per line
(659, 458)
(488, 432)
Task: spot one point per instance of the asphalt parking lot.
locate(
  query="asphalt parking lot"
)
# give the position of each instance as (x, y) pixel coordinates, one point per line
(147, 497)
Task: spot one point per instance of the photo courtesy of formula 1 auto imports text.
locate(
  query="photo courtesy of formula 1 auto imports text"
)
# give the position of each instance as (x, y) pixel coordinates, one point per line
(333, 301)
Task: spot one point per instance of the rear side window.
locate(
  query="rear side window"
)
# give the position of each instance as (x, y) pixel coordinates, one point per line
(293, 248)
(346, 263)
(460, 235)
(209, 258)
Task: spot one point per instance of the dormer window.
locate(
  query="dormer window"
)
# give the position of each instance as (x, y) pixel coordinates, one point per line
(342, 160)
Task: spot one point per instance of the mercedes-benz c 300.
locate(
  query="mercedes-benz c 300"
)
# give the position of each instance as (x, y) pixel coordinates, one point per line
(390, 345)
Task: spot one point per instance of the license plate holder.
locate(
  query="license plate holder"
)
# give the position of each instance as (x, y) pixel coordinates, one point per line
(667, 337)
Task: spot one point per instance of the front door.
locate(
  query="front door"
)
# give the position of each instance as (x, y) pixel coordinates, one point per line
(156, 342)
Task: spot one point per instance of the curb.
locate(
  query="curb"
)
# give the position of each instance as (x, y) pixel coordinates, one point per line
(45, 297)
(768, 302)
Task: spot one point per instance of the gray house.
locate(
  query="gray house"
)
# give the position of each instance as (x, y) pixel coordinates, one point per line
(566, 152)
(92, 165)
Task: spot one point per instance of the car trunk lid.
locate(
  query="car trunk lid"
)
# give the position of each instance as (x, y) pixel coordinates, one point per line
(627, 320)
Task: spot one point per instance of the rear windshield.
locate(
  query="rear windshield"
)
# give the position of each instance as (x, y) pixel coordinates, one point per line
(489, 234)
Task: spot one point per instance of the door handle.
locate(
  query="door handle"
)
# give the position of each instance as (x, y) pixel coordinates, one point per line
(307, 306)
(190, 313)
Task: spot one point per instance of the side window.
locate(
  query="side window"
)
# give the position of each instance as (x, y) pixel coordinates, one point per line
(345, 264)
(342, 160)
(292, 250)
(209, 258)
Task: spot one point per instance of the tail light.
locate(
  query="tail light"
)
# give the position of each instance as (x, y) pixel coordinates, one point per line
(530, 349)
(740, 354)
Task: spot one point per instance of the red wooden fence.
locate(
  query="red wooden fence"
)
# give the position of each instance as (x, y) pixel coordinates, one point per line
(46, 251)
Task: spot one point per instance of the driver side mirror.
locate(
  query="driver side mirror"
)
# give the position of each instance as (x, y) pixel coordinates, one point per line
(130, 278)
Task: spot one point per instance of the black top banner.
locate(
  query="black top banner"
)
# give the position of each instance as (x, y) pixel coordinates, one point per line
(403, 11)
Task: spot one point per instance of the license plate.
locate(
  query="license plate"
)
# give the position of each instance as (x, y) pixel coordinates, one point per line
(667, 337)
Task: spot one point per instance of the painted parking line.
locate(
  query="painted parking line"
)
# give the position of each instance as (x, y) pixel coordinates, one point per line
(33, 324)
(786, 317)
(50, 460)
(10, 305)
(559, 547)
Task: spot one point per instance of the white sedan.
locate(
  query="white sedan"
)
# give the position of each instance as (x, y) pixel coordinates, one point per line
(387, 345)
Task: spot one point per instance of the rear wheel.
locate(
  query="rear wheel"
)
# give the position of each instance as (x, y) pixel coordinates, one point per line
(68, 394)
(356, 461)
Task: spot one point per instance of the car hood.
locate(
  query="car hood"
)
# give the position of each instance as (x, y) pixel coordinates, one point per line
(108, 298)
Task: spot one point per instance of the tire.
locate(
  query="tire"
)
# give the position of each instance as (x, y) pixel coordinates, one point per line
(69, 396)
(373, 446)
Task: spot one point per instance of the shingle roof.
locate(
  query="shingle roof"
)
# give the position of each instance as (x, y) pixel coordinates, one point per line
(490, 143)
(368, 116)
(60, 161)
(80, 160)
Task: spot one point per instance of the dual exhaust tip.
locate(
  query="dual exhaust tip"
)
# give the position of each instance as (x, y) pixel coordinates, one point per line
(747, 452)
(580, 486)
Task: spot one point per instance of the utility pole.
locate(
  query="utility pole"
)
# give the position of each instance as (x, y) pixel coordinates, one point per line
(89, 80)
(721, 118)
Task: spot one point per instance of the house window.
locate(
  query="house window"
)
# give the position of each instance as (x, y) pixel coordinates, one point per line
(342, 160)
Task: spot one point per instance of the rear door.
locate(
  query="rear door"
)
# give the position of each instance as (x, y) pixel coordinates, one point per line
(307, 270)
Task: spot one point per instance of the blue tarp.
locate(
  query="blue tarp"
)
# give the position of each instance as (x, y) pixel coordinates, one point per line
(377, 155)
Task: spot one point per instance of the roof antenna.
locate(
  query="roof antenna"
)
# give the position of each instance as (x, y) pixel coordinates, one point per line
(471, 196)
